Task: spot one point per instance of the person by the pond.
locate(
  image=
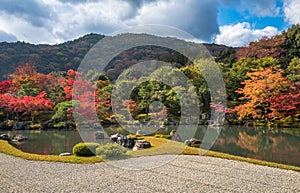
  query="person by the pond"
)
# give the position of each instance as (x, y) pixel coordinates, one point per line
(175, 136)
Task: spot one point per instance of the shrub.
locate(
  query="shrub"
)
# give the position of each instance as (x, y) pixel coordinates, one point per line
(111, 151)
(85, 149)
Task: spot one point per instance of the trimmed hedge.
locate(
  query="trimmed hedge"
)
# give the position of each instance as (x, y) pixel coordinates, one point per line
(85, 149)
(111, 151)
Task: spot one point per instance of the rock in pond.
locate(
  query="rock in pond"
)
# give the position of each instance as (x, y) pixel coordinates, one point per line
(20, 138)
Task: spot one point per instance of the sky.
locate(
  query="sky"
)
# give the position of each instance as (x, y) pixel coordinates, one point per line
(229, 22)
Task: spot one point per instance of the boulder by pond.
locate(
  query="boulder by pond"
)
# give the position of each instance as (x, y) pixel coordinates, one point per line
(193, 142)
(114, 138)
(65, 154)
(141, 144)
(4, 137)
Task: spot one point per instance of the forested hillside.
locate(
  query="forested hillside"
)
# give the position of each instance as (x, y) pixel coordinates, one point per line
(45, 58)
(68, 55)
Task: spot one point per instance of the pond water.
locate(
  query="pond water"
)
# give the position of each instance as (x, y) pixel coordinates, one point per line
(270, 144)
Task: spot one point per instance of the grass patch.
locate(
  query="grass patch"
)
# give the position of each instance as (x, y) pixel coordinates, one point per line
(159, 146)
(8, 149)
(164, 146)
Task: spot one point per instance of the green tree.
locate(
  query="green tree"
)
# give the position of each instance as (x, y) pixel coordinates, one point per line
(57, 94)
(27, 90)
(292, 41)
(293, 70)
(64, 113)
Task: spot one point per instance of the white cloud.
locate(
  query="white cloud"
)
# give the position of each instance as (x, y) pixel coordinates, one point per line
(291, 10)
(54, 21)
(24, 30)
(241, 34)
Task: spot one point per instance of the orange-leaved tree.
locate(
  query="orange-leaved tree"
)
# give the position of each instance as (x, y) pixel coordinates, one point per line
(261, 85)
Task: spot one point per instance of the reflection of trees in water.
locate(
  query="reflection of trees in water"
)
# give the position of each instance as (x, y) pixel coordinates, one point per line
(260, 143)
(48, 142)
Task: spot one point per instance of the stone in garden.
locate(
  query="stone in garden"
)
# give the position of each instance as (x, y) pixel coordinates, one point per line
(4, 137)
(193, 142)
(187, 142)
(65, 154)
(114, 138)
(141, 144)
(129, 143)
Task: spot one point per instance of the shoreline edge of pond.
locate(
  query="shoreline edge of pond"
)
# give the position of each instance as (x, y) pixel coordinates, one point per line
(8, 149)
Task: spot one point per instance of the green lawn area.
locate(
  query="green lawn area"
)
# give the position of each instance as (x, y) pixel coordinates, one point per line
(164, 146)
(159, 146)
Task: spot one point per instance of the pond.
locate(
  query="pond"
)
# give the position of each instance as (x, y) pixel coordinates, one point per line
(270, 144)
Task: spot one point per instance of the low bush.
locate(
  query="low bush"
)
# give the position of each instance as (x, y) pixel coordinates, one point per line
(111, 151)
(85, 149)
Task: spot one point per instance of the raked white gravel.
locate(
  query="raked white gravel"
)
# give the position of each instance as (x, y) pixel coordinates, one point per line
(182, 174)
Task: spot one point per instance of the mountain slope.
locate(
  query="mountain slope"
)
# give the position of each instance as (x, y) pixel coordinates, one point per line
(61, 57)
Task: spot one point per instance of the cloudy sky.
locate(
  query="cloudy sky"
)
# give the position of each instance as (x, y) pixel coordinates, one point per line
(229, 22)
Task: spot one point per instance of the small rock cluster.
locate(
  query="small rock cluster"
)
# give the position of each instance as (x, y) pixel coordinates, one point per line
(122, 140)
(16, 139)
(128, 142)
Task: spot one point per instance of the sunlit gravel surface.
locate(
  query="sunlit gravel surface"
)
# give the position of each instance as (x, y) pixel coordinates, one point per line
(145, 174)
